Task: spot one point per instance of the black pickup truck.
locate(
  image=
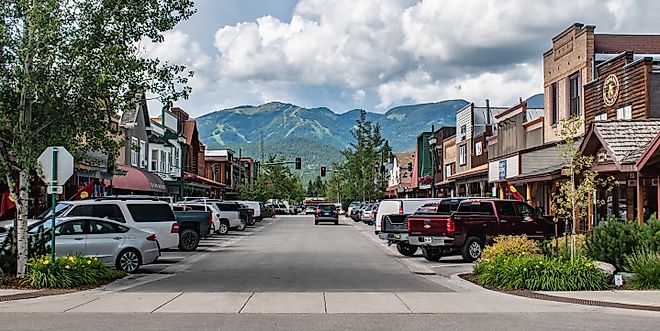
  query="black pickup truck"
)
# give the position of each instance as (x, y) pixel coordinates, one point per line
(193, 225)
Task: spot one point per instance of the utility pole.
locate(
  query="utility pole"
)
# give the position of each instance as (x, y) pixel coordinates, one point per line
(261, 146)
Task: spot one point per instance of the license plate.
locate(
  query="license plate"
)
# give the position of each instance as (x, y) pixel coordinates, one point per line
(397, 236)
(428, 240)
(326, 214)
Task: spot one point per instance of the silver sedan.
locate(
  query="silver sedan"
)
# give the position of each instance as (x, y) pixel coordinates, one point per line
(114, 243)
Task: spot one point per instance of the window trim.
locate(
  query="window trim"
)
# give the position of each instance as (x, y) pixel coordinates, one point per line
(578, 97)
(554, 106)
(143, 153)
(462, 155)
(135, 143)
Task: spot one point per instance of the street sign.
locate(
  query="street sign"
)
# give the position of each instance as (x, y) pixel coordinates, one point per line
(63, 160)
(54, 189)
(56, 168)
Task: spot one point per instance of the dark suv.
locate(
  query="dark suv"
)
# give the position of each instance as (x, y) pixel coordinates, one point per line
(326, 213)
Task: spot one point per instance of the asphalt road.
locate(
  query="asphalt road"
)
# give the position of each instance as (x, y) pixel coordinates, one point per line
(294, 255)
(249, 322)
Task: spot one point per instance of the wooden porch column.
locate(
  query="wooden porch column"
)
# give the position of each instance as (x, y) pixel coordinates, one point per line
(640, 200)
(590, 213)
(501, 191)
(530, 199)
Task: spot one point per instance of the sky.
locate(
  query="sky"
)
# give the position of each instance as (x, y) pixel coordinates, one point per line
(378, 54)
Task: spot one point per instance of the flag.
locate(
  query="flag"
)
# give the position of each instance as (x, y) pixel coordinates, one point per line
(515, 193)
(85, 192)
(7, 203)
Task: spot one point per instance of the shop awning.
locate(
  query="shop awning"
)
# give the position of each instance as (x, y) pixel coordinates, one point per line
(476, 171)
(136, 179)
(192, 177)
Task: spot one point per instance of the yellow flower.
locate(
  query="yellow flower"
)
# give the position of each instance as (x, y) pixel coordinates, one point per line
(67, 267)
(46, 261)
(94, 259)
(89, 261)
(525, 269)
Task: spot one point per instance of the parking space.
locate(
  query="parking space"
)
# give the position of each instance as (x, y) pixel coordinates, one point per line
(211, 244)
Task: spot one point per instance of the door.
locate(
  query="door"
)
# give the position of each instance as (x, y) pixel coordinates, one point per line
(70, 238)
(529, 225)
(104, 240)
(508, 218)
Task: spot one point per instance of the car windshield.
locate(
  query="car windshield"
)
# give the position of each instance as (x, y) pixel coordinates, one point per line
(327, 207)
(59, 209)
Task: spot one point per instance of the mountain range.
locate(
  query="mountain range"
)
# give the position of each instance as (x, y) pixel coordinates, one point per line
(319, 134)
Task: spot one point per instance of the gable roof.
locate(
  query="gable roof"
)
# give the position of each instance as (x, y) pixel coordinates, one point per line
(624, 140)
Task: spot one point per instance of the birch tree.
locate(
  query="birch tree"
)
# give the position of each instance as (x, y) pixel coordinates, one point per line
(68, 67)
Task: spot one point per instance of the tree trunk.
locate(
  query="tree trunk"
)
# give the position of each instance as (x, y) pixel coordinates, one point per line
(21, 222)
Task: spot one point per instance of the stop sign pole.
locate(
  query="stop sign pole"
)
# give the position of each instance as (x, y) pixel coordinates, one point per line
(56, 167)
(53, 182)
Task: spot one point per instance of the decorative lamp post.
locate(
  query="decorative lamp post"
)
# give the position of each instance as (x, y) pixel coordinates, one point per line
(433, 142)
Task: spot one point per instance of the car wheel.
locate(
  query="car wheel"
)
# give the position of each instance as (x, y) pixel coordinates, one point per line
(432, 254)
(471, 250)
(406, 249)
(241, 226)
(128, 261)
(188, 240)
(224, 227)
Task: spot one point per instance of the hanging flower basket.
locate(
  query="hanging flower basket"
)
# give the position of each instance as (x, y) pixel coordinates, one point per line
(425, 180)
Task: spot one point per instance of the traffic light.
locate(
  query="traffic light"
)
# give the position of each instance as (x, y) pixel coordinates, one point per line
(323, 170)
(298, 163)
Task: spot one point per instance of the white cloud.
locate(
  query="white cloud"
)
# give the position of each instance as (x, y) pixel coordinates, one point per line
(388, 52)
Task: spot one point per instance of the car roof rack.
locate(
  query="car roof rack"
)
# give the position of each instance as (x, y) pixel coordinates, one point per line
(131, 197)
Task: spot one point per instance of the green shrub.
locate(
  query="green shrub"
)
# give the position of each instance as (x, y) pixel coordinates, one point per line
(38, 244)
(510, 246)
(611, 241)
(66, 272)
(561, 246)
(539, 273)
(645, 266)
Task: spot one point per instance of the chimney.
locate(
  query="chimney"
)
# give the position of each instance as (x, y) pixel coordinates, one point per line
(487, 111)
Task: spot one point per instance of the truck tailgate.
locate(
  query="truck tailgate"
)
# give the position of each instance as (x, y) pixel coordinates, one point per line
(428, 225)
(394, 223)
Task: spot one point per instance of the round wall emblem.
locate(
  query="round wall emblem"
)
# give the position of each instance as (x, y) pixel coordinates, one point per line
(84, 195)
(611, 90)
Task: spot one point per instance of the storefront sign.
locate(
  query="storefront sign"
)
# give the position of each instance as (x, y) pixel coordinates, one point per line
(502, 169)
(611, 90)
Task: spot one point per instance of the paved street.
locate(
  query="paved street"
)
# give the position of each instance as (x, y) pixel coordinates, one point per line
(294, 255)
(287, 273)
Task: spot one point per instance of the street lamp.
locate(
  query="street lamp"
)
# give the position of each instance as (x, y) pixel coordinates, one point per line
(433, 142)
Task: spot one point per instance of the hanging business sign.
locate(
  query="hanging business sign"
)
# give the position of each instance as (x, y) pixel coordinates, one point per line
(502, 170)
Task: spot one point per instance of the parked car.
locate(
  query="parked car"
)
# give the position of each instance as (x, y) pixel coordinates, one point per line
(326, 213)
(355, 213)
(256, 207)
(352, 206)
(310, 210)
(398, 206)
(225, 214)
(149, 215)
(475, 223)
(395, 227)
(113, 243)
(193, 225)
(246, 214)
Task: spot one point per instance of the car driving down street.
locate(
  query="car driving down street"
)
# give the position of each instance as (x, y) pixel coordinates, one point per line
(326, 213)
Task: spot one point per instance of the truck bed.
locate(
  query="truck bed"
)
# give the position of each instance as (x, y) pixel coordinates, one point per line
(394, 223)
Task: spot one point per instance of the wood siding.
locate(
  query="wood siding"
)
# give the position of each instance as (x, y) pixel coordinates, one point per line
(539, 159)
(633, 88)
(654, 92)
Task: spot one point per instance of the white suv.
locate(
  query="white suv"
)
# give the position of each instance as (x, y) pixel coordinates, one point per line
(151, 216)
(225, 214)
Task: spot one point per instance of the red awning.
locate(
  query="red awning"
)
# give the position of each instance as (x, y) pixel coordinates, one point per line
(138, 180)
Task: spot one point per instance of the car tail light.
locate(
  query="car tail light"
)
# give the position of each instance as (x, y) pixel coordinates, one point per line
(175, 228)
(401, 208)
(451, 226)
(210, 221)
(317, 212)
(152, 237)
